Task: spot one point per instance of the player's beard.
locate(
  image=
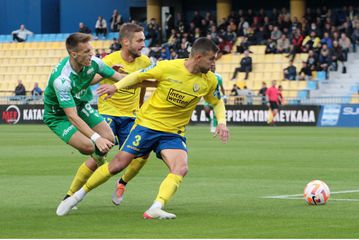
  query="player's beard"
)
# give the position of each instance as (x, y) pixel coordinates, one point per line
(203, 70)
(134, 53)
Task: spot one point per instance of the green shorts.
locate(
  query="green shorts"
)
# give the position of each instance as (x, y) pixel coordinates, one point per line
(64, 129)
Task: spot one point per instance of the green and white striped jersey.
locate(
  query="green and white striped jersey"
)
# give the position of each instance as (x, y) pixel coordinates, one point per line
(66, 88)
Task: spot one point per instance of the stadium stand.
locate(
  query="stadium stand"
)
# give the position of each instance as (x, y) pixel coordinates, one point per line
(32, 62)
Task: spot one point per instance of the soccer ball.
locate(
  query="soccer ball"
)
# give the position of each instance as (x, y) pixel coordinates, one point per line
(316, 192)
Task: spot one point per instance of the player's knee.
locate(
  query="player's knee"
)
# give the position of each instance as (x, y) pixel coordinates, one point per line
(181, 170)
(87, 148)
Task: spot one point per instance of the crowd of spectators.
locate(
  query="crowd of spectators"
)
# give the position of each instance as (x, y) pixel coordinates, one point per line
(327, 35)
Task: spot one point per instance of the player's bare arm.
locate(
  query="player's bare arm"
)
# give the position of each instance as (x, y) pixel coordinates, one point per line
(221, 131)
(103, 144)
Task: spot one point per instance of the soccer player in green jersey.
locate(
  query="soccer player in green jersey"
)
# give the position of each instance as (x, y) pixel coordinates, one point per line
(208, 107)
(68, 112)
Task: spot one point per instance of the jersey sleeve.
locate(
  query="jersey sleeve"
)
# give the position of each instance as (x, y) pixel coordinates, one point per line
(103, 69)
(154, 71)
(62, 87)
(214, 94)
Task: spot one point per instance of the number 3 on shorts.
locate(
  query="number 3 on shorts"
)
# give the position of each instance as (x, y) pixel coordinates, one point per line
(137, 142)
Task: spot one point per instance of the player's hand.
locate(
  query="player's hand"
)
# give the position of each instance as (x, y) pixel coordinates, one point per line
(103, 144)
(119, 68)
(106, 89)
(222, 132)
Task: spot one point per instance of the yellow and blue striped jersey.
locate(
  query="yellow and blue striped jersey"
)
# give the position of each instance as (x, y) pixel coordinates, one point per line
(170, 107)
(125, 102)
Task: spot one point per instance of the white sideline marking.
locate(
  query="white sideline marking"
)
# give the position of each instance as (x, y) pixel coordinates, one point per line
(297, 196)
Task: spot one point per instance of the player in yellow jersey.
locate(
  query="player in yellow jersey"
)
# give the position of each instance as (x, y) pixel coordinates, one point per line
(120, 110)
(160, 123)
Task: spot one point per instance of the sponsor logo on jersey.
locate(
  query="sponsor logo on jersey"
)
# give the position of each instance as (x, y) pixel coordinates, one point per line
(90, 71)
(179, 98)
(195, 87)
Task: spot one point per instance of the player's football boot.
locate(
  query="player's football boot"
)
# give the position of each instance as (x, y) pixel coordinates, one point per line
(158, 213)
(117, 195)
(66, 205)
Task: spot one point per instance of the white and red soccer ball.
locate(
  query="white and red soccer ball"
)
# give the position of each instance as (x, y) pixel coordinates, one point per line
(316, 192)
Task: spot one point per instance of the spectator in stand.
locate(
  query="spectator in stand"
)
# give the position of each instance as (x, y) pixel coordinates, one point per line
(271, 47)
(246, 66)
(262, 93)
(336, 36)
(305, 73)
(290, 72)
(83, 28)
(296, 25)
(355, 36)
(242, 27)
(327, 40)
(260, 36)
(173, 54)
(296, 46)
(182, 52)
(346, 28)
(214, 34)
(324, 60)
(235, 93)
(21, 34)
(115, 21)
(153, 32)
(312, 40)
(312, 60)
(283, 44)
(337, 55)
(20, 89)
(203, 27)
(197, 18)
(276, 33)
(115, 45)
(101, 26)
(345, 43)
(248, 96)
(36, 92)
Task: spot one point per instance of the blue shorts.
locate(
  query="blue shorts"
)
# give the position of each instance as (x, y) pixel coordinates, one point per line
(141, 141)
(121, 127)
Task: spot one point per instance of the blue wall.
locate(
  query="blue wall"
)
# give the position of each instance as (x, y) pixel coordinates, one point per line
(72, 12)
(16, 12)
(52, 16)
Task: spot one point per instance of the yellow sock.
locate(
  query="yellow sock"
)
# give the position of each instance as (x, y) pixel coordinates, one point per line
(83, 173)
(132, 169)
(168, 188)
(101, 175)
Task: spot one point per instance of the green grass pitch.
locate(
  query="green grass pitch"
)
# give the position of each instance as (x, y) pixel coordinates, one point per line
(221, 197)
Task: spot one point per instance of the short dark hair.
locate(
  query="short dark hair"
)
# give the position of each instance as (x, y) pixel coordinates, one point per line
(128, 29)
(74, 39)
(203, 45)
